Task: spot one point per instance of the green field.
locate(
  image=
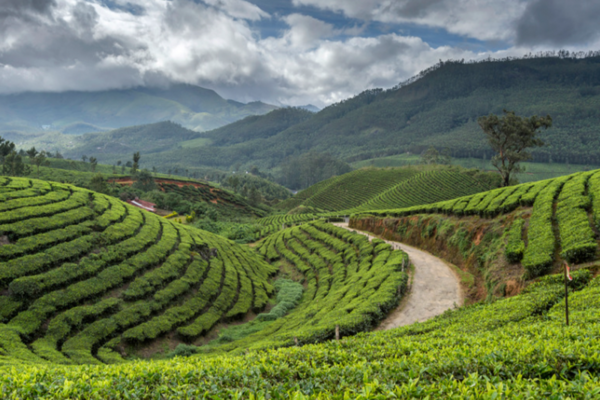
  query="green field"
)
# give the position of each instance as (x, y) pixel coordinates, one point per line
(382, 188)
(559, 223)
(534, 171)
(513, 348)
(87, 278)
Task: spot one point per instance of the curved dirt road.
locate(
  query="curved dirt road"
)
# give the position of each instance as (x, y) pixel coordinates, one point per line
(435, 288)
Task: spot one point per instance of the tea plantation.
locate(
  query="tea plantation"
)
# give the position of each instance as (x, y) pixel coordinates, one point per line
(565, 216)
(85, 276)
(383, 188)
(512, 348)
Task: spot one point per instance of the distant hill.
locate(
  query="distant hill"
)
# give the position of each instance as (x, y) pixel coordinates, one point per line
(440, 109)
(147, 139)
(310, 107)
(388, 188)
(194, 107)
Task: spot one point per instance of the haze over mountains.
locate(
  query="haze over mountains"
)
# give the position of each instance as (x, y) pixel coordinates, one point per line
(74, 112)
(439, 109)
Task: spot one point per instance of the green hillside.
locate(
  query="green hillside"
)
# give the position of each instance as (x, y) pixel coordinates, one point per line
(513, 348)
(373, 188)
(81, 271)
(440, 109)
(79, 112)
(86, 278)
(562, 224)
(119, 144)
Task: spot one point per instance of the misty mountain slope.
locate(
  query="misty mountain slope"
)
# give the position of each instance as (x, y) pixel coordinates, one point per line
(191, 106)
(440, 109)
(147, 139)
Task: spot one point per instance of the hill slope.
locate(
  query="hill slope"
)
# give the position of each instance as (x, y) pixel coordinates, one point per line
(533, 227)
(77, 112)
(457, 355)
(86, 278)
(439, 109)
(71, 256)
(373, 188)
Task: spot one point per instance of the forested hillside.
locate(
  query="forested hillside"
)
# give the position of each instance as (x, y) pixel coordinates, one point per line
(439, 109)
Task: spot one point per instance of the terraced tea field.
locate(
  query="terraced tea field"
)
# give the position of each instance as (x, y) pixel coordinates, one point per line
(564, 218)
(83, 273)
(512, 348)
(84, 277)
(373, 189)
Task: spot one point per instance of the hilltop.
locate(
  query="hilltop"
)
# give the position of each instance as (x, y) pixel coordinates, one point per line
(72, 112)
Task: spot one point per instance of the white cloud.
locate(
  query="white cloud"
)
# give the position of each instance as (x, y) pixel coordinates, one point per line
(76, 45)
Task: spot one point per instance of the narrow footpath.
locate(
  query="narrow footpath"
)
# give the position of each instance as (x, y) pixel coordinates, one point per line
(435, 287)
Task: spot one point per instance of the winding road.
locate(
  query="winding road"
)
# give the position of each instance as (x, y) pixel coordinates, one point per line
(435, 287)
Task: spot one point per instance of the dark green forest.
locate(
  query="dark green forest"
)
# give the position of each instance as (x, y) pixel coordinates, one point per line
(439, 109)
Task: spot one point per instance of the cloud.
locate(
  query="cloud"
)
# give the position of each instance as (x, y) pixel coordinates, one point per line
(111, 44)
(559, 23)
(479, 19)
(20, 7)
(306, 31)
(238, 9)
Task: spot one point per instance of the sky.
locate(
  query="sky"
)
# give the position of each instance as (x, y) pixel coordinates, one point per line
(291, 52)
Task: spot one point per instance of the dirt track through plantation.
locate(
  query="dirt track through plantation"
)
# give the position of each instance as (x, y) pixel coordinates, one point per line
(435, 288)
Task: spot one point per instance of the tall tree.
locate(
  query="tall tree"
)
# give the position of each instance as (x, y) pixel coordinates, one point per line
(144, 181)
(430, 156)
(13, 165)
(136, 162)
(84, 158)
(93, 163)
(510, 136)
(31, 153)
(40, 159)
(6, 147)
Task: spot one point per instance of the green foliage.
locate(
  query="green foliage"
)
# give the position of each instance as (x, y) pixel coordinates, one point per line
(303, 171)
(515, 246)
(83, 271)
(577, 238)
(512, 348)
(13, 165)
(510, 137)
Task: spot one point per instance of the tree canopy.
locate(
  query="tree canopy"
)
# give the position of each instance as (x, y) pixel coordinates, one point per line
(510, 136)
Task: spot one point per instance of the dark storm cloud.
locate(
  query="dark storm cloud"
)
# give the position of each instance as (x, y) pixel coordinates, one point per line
(413, 8)
(559, 23)
(19, 7)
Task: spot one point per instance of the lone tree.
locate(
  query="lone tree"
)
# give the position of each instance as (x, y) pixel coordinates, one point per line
(136, 163)
(40, 159)
(93, 163)
(510, 136)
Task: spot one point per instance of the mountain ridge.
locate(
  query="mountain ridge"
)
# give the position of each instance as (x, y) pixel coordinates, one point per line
(192, 106)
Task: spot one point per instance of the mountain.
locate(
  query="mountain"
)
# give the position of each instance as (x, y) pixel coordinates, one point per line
(439, 109)
(72, 112)
(311, 108)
